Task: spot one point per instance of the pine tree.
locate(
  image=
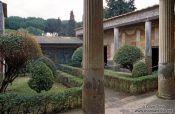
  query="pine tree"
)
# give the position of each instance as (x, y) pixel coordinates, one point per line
(72, 24)
(118, 7)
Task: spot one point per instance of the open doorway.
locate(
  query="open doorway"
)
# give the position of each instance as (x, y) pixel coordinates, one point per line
(155, 58)
(105, 55)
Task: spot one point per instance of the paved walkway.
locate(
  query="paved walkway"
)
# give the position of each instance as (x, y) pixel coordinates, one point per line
(120, 103)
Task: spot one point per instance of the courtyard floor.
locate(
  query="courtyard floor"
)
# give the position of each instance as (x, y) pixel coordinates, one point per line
(120, 103)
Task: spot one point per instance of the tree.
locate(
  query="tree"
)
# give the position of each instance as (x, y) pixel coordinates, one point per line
(53, 26)
(14, 22)
(16, 49)
(35, 31)
(79, 24)
(127, 56)
(64, 28)
(72, 24)
(118, 7)
(38, 23)
(42, 78)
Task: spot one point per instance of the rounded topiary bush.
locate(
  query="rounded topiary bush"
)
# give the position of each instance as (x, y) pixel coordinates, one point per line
(49, 63)
(16, 49)
(77, 57)
(127, 56)
(42, 78)
(140, 69)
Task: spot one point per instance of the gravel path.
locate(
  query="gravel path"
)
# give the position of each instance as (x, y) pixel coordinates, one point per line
(121, 103)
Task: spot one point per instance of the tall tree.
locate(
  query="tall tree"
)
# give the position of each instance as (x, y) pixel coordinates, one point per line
(118, 7)
(72, 24)
(14, 22)
(53, 25)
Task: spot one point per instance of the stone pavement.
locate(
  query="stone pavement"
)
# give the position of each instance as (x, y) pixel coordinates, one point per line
(120, 103)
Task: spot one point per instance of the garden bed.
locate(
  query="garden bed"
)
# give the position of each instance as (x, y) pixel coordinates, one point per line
(20, 99)
(120, 81)
(69, 80)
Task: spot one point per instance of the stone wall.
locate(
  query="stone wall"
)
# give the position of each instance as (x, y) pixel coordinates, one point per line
(132, 35)
(59, 54)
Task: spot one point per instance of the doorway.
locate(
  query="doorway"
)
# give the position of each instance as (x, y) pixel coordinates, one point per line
(105, 55)
(155, 58)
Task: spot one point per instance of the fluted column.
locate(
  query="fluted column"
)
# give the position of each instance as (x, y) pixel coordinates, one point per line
(93, 63)
(1, 32)
(116, 39)
(1, 18)
(166, 83)
(148, 46)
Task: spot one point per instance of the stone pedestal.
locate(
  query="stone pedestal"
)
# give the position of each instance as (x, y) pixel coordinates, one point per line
(93, 58)
(166, 78)
(148, 46)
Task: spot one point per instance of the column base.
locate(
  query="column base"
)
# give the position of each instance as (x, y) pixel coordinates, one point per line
(166, 81)
(166, 97)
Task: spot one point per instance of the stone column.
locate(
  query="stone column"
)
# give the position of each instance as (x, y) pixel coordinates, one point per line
(116, 39)
(1, 32)
(1, 18)
(148, 46)
(93, 58)
(166, 78)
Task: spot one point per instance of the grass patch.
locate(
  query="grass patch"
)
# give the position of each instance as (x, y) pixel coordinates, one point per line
(113, 73)
(20, 86)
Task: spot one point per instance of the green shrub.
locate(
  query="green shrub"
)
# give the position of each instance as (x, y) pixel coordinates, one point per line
(118, 80)
(127, 56)
(77, 57)
(44, 103)
(140, 69)
(49, 63)
(42, 78)
(16, 49)
(44, 59)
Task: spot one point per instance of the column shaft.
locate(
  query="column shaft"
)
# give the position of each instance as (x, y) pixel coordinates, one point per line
(166, 78)
(148, 46)
(1, 32)
(116, 39)
(1, 18)
(93, 58)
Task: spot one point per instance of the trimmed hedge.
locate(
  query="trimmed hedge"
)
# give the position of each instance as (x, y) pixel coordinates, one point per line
(71, 70)
(69, 80)
(131, 85)
(121, 81)
(40, 103)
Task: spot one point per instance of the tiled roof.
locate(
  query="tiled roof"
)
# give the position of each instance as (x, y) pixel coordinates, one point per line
(57, 40)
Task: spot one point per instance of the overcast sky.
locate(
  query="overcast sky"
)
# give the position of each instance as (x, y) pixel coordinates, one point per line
(56, 8)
